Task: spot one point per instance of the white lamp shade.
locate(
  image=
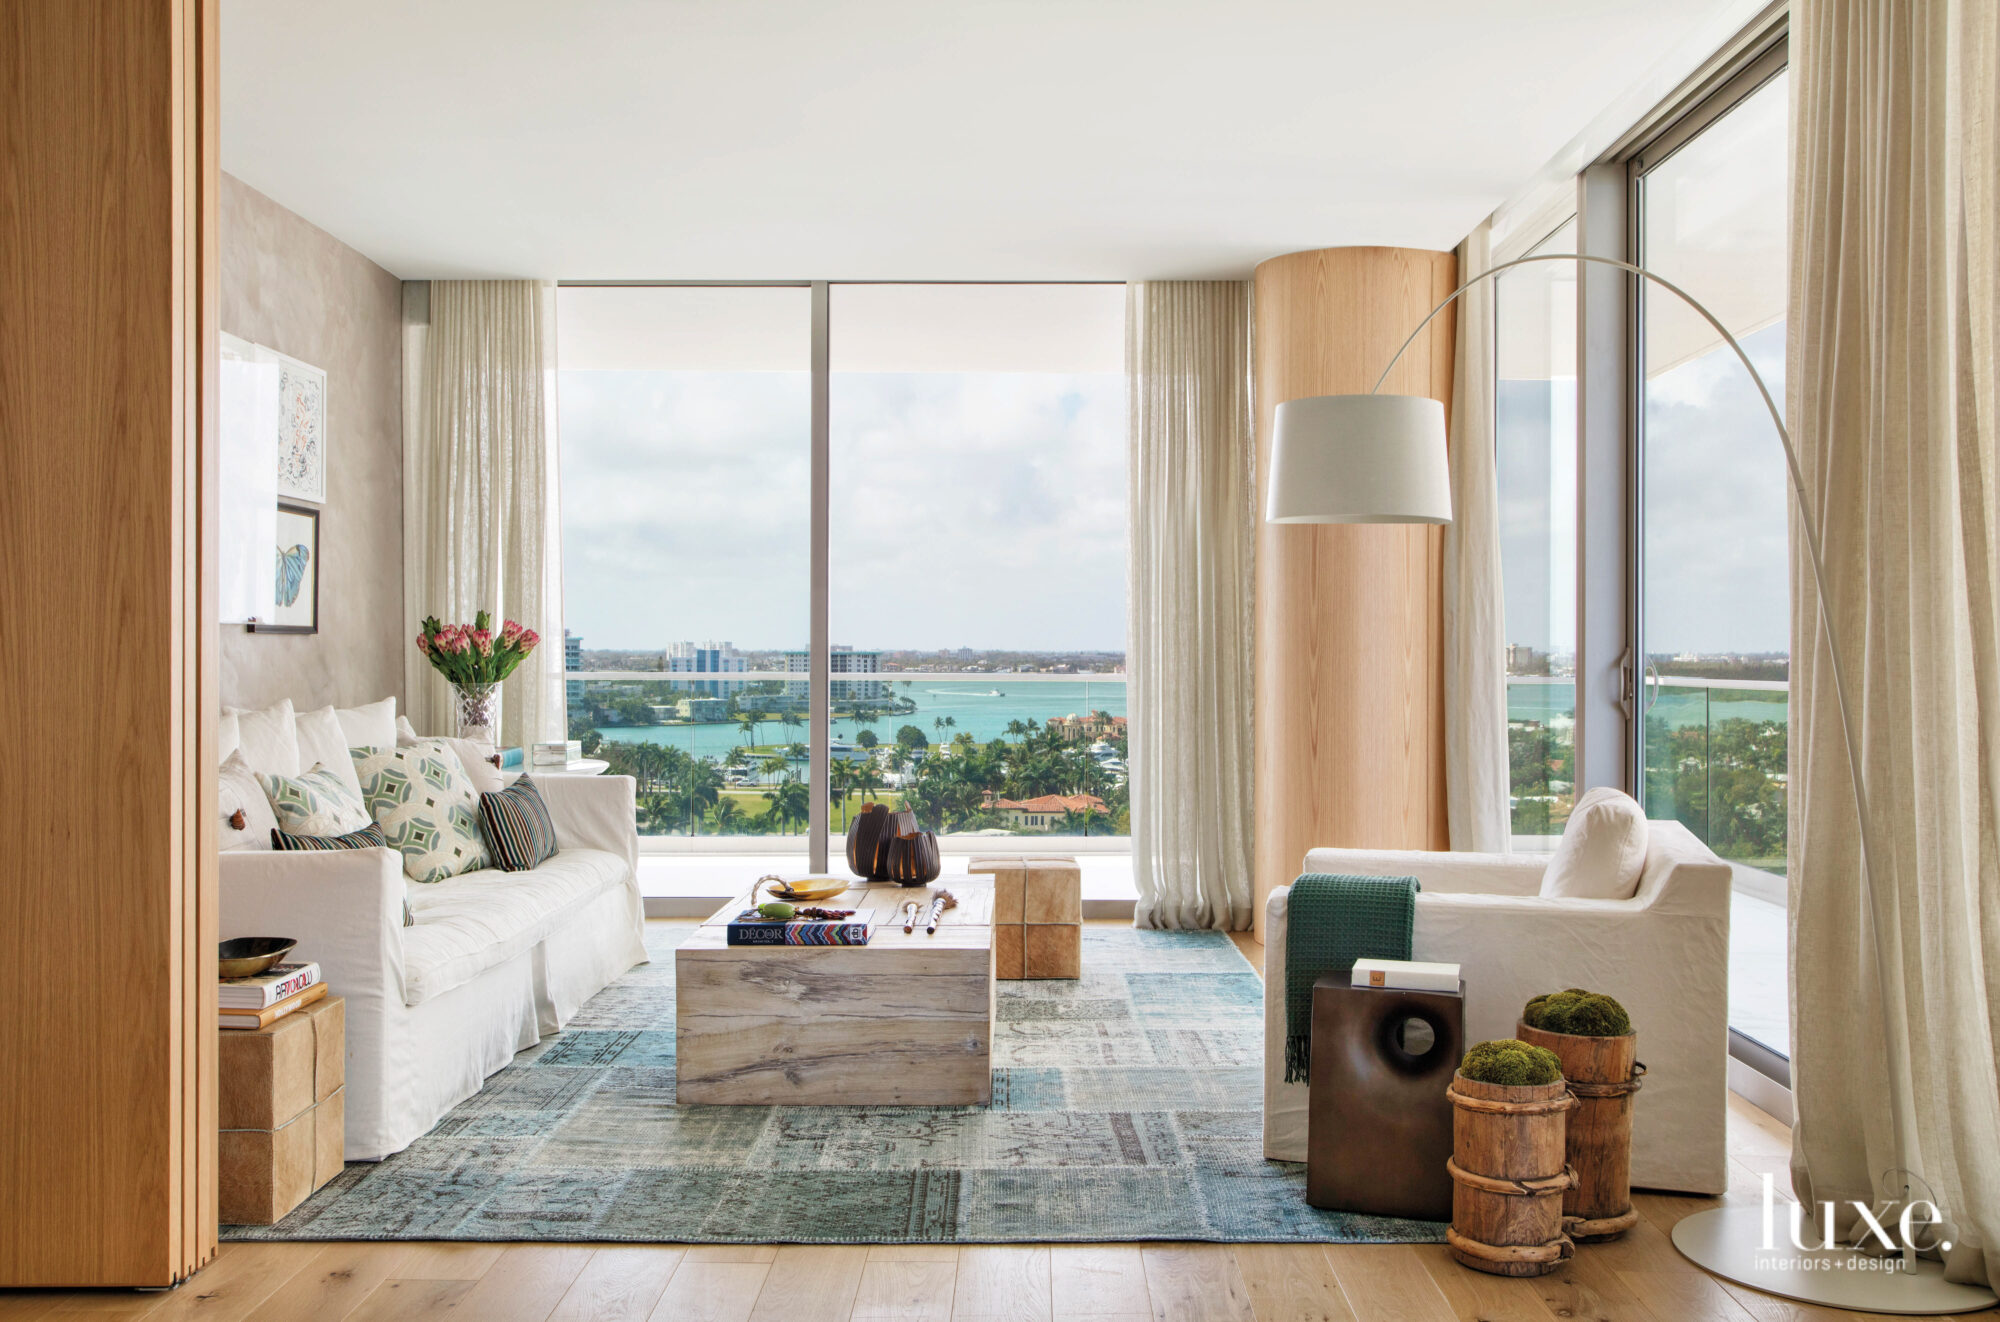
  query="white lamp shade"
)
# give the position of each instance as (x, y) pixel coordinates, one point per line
(1359, 459)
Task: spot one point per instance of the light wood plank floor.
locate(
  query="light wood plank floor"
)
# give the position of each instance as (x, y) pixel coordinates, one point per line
(1638, 1279)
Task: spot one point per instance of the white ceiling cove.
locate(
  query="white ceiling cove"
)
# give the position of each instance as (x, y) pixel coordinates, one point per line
(914, 139)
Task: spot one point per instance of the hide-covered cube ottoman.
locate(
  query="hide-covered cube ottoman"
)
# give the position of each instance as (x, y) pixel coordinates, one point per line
(1037, 916)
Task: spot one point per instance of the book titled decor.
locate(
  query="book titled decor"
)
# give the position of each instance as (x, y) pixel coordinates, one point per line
(750, 930)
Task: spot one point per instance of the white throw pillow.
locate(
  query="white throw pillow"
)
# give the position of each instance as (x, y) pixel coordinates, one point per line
(228, 736)
(406, 734)
(1603, 849)
(323, 742)
(317, 803)
(237, 790)
(370, 726)
(268, 738)
(476, 756)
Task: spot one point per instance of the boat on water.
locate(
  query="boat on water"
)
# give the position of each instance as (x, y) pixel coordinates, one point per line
(960, 693)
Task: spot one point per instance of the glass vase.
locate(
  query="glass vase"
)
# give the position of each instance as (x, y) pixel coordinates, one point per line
(478, 708)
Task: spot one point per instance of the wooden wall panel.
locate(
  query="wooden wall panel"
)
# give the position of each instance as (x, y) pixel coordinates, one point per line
(1350, 651)
(107, 911)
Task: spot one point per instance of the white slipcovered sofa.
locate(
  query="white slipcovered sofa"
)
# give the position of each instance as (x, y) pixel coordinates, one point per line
(492, 961)
(1664, 953)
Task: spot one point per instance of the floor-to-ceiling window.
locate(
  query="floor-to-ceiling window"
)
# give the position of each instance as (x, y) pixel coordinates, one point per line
(979, 527)
(1713, 605)
(975, 503)
(685, 467)
(1534, 429)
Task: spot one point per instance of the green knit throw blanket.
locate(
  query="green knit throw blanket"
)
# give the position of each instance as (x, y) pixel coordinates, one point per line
(1329, 923)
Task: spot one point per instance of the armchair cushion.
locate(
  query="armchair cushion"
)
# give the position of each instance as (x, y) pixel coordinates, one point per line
(1603, 849)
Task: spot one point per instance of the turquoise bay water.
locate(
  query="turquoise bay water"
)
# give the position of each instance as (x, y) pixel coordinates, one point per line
(967, 703)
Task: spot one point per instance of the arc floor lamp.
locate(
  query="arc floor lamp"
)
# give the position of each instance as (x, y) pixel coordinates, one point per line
(1379, 458)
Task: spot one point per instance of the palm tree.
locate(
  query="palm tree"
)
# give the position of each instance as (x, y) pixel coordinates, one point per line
(747, 726)
(839, 784)
(788, 803)
(1015, 728)
(775, 766)
(867, 779)
(726, 817)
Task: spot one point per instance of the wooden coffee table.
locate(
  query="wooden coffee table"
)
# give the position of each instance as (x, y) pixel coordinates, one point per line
(906, 1020)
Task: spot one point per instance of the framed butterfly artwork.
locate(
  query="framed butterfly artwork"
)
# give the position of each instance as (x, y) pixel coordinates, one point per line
(297, 569)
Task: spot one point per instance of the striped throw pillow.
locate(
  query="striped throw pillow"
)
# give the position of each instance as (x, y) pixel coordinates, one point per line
(518, 830)
(368, 837)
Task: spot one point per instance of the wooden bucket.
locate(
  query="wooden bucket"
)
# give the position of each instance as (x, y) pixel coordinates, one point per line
(1603, 1074)
(1508, 1176)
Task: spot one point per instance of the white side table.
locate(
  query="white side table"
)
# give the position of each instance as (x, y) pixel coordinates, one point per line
(583, 766)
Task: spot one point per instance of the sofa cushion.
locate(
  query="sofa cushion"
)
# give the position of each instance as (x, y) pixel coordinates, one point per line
(321, 802)
(237, 791)
(268, 739)
(421, 798)
(1603, 849)
(467, 924)
(323, 742)
(370, 726)
(518, 830)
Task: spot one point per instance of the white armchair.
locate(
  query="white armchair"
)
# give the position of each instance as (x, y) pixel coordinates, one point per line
(1664, 953)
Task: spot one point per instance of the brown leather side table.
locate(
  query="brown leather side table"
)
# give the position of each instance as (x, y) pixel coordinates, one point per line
(1378, 1124)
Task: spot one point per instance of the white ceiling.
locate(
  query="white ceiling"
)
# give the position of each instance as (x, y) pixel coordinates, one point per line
(914, 139)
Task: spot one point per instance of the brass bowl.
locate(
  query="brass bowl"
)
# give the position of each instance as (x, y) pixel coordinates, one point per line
(247, 956)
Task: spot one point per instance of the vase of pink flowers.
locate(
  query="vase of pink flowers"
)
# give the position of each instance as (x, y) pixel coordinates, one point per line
(475, 661)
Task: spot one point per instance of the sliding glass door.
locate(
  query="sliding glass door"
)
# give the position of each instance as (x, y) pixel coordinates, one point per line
(1714, 610)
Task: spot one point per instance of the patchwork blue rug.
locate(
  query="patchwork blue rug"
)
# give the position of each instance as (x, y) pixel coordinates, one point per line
(1126, 1106)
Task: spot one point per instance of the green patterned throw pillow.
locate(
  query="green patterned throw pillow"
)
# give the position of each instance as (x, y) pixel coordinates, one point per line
(422, 799)
(318, 803)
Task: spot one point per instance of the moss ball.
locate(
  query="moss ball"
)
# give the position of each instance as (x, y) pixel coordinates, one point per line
(1574, 1010)
(1511, 1062)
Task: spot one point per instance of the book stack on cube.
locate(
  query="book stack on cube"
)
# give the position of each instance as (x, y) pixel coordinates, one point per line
(257, 1002)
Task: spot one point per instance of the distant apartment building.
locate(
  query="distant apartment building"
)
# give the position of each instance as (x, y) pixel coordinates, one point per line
(841, 661)
(572, 662)
(710, 658)
(703, 711)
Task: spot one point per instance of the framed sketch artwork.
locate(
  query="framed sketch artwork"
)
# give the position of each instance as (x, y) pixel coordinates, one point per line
(297, 568)
(301, 430)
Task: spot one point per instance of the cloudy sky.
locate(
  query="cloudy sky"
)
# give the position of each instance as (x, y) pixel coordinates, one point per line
(1715, 516)
(1714, 508)
(981, 510)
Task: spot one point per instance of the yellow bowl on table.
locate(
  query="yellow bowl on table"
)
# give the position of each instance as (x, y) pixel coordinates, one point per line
(805, 889)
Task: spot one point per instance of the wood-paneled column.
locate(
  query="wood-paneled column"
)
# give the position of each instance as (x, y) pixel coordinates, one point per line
(1350, 680)
(108, 304)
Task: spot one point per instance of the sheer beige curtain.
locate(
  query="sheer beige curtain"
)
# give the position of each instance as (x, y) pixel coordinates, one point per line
(1475, 646)
(1193, 512)
(1890, 393)
(481, 521)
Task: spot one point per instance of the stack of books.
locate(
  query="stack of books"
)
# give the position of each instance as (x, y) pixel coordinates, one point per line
(749, 928)
(271, 995)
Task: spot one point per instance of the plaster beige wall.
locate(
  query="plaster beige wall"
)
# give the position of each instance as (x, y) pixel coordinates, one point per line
(291, 286)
